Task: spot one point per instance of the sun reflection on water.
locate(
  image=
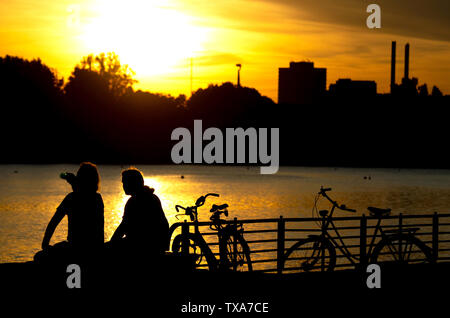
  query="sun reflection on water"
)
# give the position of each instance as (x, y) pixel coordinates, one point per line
(29, 198)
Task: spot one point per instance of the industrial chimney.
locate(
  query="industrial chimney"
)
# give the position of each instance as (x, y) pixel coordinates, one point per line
(394, 44)
(407, 61)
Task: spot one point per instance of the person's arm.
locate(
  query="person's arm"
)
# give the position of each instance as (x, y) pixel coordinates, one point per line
(57, 217)
(101, 219)
(119, 233)
(122, 230)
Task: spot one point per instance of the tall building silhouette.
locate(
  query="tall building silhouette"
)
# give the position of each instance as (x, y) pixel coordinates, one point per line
(301, 83)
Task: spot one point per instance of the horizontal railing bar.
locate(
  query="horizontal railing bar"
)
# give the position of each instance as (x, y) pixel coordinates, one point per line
(369, 235)
(423, 233)
(303, 238)
(405, 225)
(303, 230)
(209, 233)
(294, 239)
(260, 231)
(291, 269)
(350, 218)
(273, 220)
(357, 227)
(344, 265)
(264, 260)
(298, 258)
(354, 228)
(427, 242)
(265, 270)
(396, 225)
(347, 228)
(353, 246)
(261, 241)
(410, 252)
(263, 250)
(345, 256)
(315, 267)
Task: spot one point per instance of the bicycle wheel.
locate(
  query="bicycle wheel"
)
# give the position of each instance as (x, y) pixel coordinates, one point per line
(234, 253)
(198, 249)
(401, 249)
(309, 255)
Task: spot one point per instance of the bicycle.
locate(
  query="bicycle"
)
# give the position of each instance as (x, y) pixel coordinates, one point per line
(234, 253)
(318, 252)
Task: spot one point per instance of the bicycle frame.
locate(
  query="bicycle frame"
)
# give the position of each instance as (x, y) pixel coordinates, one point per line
(222, 232)
(327, 221)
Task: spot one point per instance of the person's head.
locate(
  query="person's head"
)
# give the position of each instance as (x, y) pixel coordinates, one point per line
(88, 179)
(132, 180)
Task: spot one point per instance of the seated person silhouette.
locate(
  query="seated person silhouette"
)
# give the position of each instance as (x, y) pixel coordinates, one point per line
(144, 230)
(84, 210)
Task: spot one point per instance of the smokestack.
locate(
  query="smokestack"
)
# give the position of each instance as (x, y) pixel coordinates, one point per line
(407, 61)
(394, 45)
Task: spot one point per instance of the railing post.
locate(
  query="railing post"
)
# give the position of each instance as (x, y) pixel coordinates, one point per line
(435, 238)
(235, 252)
(400, 243)
(363, 243)
(185, 238)
(280, 245)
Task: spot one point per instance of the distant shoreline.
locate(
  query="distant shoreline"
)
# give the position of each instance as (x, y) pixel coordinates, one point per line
(111, 163)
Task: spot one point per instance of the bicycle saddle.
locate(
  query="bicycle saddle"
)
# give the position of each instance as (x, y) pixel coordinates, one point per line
(378, 212)
(216, 207)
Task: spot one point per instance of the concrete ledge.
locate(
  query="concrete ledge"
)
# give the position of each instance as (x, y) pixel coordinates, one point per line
(403, 288)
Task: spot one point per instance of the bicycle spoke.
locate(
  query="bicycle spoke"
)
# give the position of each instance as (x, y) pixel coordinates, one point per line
(393, 251)
(310, 255)
(411, 250)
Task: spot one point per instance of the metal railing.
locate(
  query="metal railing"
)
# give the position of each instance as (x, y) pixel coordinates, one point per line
(269, 239)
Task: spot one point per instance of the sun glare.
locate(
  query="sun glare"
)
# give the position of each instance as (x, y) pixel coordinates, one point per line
(149, 36)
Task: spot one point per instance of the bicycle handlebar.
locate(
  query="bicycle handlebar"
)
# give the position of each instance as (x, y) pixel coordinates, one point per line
(344, 208)
(179, 207)
(200, 201)
(323, 192)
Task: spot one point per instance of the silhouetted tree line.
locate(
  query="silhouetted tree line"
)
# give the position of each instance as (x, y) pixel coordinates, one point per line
(96, 115)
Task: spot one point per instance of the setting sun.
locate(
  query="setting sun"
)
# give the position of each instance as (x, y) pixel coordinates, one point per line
(150, 37)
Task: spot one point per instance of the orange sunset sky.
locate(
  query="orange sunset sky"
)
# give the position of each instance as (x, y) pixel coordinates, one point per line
(158, 38)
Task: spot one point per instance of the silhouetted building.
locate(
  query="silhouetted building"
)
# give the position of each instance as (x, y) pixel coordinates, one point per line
(301, 83)
(350, 89)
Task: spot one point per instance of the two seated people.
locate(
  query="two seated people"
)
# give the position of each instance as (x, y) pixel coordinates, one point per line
(144, 230)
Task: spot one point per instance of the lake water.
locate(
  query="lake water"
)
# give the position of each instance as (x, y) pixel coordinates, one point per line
(29, 195)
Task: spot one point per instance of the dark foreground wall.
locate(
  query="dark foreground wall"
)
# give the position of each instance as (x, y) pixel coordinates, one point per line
(146, 291)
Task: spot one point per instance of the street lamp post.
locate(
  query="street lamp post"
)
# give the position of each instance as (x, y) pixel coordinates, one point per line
(239, 75)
